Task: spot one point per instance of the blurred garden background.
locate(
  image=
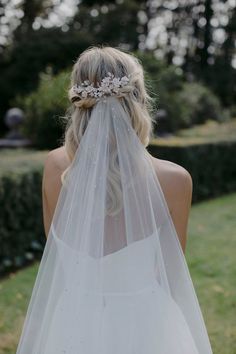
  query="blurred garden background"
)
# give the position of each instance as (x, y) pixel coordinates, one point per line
(187, 49)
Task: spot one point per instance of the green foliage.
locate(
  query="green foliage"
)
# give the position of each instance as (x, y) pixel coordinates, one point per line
(126, 24)
(44, 110)
(211, 165)
(185, 103)
(198, 104)
(161, 77)
(21, 228)
(31, 54)
(116, 26)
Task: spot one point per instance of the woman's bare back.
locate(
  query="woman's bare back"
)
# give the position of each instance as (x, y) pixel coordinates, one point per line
(175, 182)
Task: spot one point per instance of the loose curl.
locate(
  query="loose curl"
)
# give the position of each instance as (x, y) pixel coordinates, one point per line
(93, 65)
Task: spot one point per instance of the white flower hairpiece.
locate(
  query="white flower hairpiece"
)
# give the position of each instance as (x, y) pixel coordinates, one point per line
(109, 86)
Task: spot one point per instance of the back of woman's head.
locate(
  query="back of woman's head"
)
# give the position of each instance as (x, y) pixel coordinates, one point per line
(92, 67)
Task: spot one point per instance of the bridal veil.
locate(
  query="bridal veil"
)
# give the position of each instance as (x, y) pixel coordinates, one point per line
(99, 246)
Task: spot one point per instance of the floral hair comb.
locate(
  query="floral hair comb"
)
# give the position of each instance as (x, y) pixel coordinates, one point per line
(109, 86)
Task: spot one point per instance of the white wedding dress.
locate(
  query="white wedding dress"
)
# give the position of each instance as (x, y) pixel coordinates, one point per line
(113, 283)
(135, 308)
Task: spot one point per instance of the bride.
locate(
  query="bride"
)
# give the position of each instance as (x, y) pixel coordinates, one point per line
(113, 277)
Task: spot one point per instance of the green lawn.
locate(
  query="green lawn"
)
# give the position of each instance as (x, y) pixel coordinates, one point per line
(210, 255)
(211, 129)
(209, 132)
(16, 160)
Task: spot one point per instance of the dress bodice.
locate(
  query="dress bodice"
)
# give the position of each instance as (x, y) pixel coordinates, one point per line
(132, 268)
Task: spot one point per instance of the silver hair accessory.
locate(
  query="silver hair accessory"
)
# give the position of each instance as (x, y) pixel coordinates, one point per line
(109, 86)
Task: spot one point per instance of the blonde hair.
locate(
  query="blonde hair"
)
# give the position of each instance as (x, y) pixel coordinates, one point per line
(93, 65)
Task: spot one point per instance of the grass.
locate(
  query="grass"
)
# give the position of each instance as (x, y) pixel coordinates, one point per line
(211, 129)
(209, 132)
(15, 292)
(211, 257)
(17, 160)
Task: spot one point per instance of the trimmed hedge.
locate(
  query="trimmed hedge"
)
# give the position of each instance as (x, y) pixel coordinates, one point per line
(211, 165)
(21, 227)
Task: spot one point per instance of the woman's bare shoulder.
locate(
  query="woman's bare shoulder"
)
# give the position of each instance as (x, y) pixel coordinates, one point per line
(176, 184)
(55, 164)
(175, 180)
(171, 172)
(57, 160)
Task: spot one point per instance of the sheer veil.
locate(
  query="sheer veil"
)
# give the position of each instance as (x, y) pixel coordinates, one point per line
(90, 231)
